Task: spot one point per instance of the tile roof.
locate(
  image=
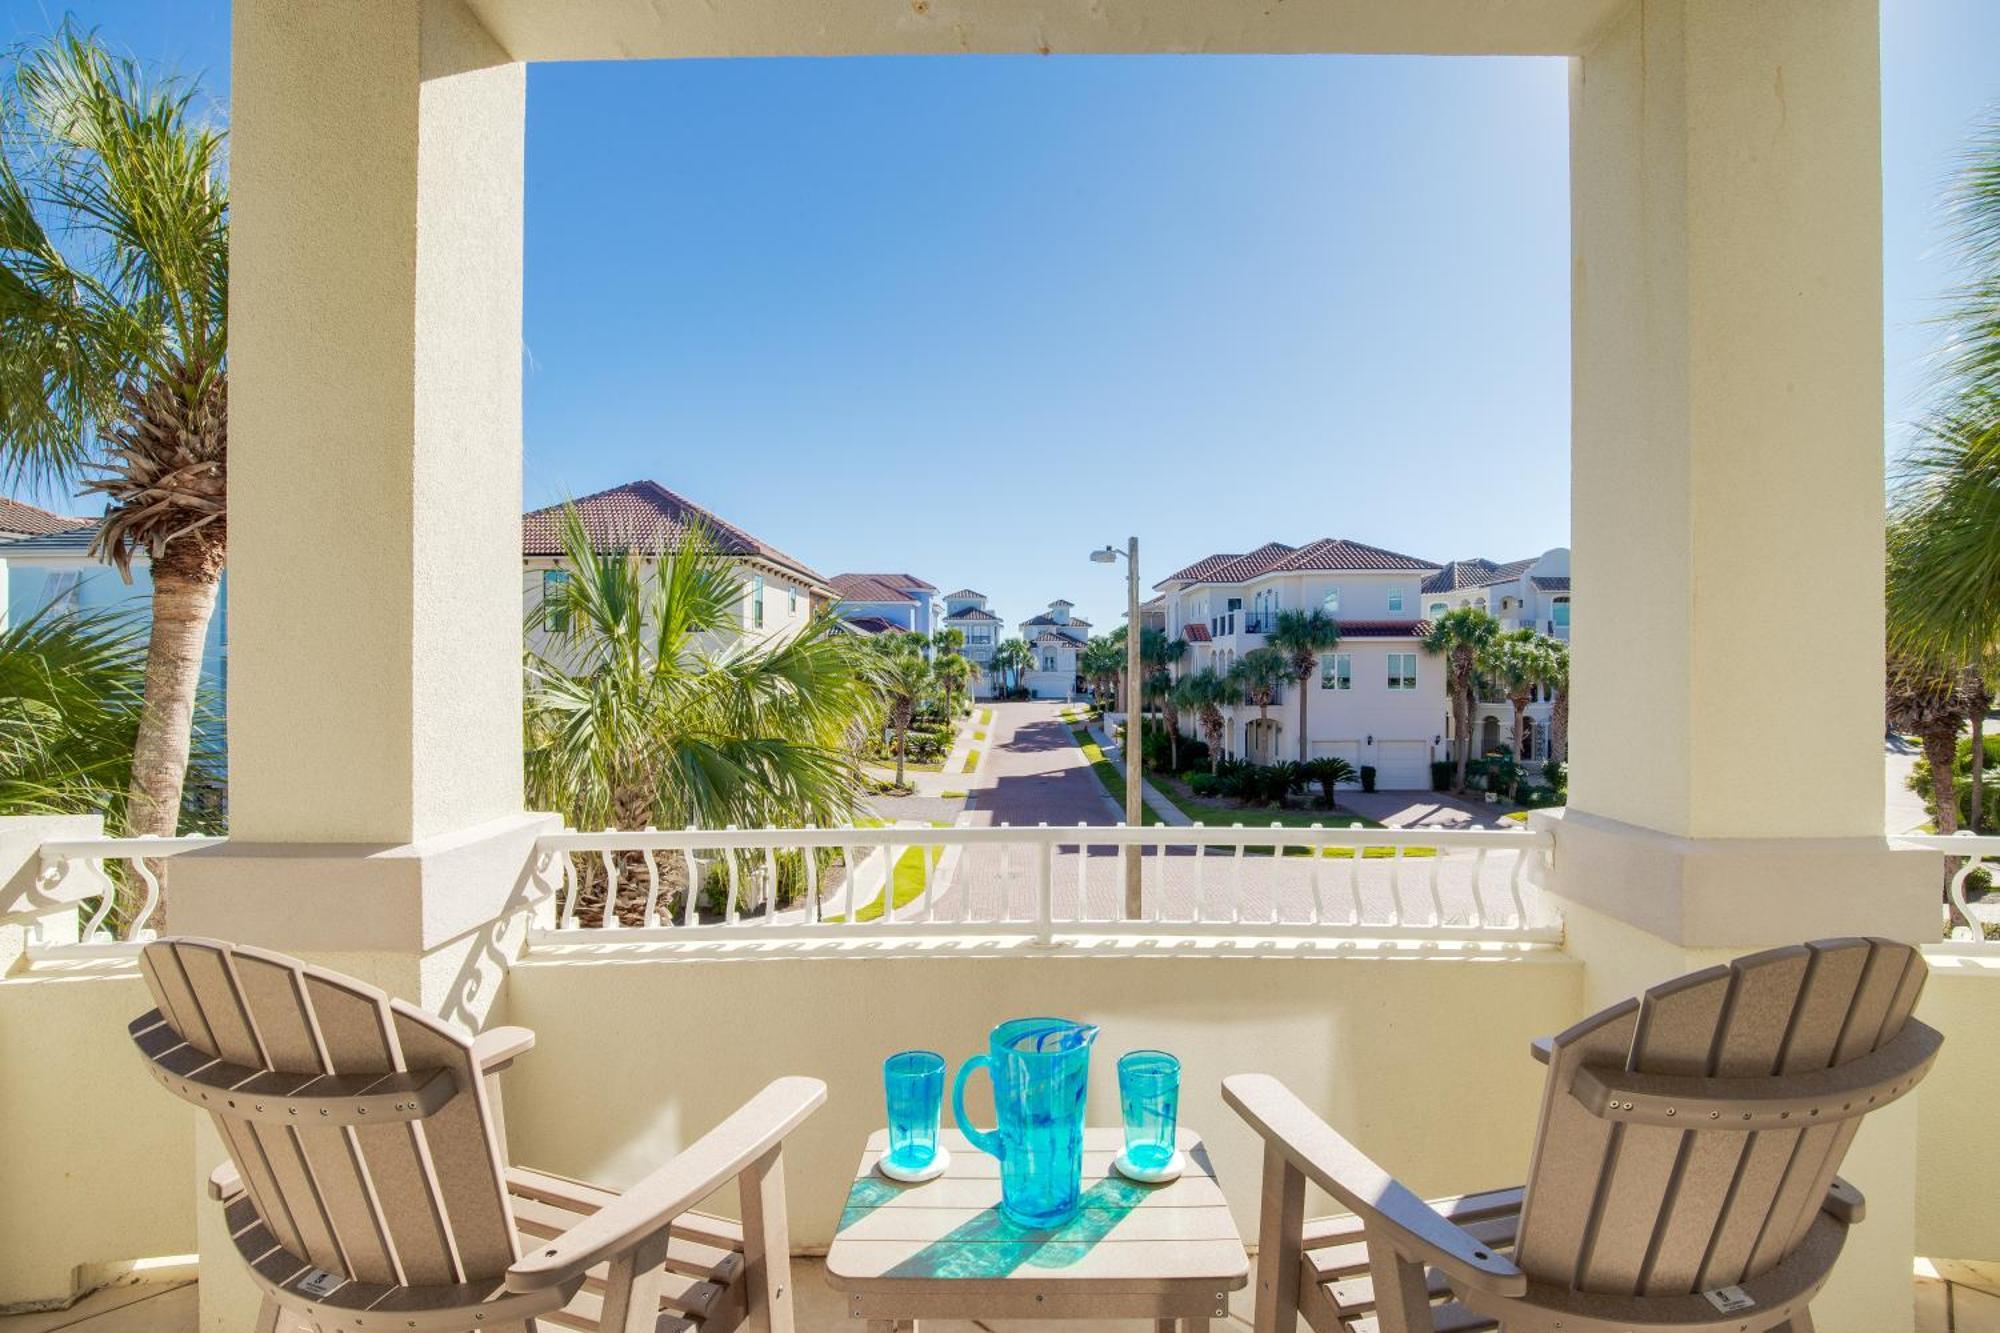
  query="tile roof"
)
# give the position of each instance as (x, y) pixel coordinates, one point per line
(1551, 582)
(1384, 629)
(964, 592)
(1051, 620)
(973, 613)
(646, 516)
(1056, 638)
(1195, 632)
(1325, 554)
(1475, 573)
(1156, 604)
(70, 541)
(872, 588)
(19, 518)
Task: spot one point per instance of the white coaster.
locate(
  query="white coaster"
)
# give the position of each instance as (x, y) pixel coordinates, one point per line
(931, 1171)
(1159, 1175)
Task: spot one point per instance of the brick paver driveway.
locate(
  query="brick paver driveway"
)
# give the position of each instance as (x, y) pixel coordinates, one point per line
(1034, 773)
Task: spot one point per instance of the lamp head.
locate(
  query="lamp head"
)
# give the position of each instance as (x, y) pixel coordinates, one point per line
(1107, 556)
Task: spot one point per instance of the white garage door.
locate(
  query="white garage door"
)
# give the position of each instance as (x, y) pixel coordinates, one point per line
(1348, 750)
(1403, 765)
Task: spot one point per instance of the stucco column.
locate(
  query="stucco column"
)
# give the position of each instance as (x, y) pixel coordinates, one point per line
(1727, 525)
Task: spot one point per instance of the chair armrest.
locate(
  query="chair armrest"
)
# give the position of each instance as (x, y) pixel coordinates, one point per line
(1387, 1209)
(496, 1048)
(645, 1210)
(224, 1183)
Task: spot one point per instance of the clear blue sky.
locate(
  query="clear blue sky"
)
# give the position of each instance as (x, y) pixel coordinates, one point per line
(918, 314)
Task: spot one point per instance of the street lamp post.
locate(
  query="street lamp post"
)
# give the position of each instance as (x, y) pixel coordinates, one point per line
(1134, 732)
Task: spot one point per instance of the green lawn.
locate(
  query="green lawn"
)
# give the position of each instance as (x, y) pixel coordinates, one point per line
(907, 881)
(1108, 774)
(1217, 814)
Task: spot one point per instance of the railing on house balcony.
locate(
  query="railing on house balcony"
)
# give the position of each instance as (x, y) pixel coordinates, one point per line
(111, 880)
(1043, 882)
(1259, 622)
(1979, 853)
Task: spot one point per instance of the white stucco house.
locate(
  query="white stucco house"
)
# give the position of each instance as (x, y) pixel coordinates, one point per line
(967, 612)
(1057, 638)
(1532, 594)
(1379, 698)
(19, 520)
(780, 592)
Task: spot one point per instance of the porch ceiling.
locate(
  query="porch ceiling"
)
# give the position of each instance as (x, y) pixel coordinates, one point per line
(663, 29)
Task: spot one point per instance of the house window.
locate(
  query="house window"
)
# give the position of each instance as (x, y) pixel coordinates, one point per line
(757, 602)
(1048, 661)
(1336, 671)
(1561, 610)
(1395, 599)
(1439, 608)
(1331, 602)
(555, 600)
(1402, 671)
(791, 601)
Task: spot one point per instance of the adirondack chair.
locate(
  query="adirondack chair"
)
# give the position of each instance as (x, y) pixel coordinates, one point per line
(1683, 1176)
(368, 1187)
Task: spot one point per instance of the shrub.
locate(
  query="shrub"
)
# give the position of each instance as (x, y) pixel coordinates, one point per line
(1327, 772)
(1920, 782)
(1277, 781)
(1442, 772)
(1368, 777)
(1556, 773)
(1204, 784)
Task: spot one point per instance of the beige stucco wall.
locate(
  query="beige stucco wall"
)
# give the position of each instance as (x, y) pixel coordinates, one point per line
(99, 1164)
(1958, 1175)
(1423, 1062)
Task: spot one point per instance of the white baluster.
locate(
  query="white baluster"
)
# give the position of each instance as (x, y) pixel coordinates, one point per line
(729, 909)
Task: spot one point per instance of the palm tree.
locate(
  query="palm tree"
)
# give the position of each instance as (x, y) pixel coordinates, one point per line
(1554, 681)
(1930, 701)
(113, 333)
(905, 679)
(1302, 636)
(1512, 664)
(954, 674)
(1162, 657)
(1102, 663)
(1328, 772)
(1206, 694)
(950, 640)
(634, 719)
(1014, 657)
(1461, 636)
(1259, 674)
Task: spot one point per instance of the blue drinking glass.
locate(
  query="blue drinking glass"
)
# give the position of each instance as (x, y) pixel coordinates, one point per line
(1149, 1092)
(914, 1084)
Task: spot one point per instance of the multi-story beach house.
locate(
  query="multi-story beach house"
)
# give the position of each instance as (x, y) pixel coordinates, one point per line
(780, 592)
(1378, 698)
(966, 611)
(876, 603)
(1057, 638)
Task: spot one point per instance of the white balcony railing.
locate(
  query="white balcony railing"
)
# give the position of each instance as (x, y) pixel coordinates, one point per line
(1042, 882)
(1980, 852)
(90, 874)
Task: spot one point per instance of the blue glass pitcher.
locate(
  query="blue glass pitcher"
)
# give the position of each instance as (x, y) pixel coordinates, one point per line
(1040, 1069)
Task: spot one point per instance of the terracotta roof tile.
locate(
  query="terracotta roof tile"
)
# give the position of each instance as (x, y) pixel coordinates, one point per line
(1461, 575)
(868, 588)
(1195, 632)
(972, 613)
(1200, 569)
(874, 625)
(964, 592)
(21, 519)
(1060, 624)
(646, 516)
(1337, 553)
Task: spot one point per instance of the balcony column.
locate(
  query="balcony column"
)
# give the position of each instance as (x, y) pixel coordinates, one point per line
(375, 494)
(1727, 477)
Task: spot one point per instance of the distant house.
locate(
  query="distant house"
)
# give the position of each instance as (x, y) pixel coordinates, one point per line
(19, 519)
(780, 592)
(57, 569)
(1522, 594)
(1057, 638)
(966, 611)
(903, 600)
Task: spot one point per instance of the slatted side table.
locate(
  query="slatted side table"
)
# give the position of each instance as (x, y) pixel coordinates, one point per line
(943, 1249)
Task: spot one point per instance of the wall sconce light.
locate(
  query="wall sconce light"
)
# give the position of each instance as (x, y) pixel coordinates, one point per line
(1371, 740)
(1437, 740)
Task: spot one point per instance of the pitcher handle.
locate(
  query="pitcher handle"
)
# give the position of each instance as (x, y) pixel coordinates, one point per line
(984, 1140)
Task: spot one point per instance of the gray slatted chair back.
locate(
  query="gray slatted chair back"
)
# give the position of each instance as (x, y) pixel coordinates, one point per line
(1689, 1139)
(358, 1123)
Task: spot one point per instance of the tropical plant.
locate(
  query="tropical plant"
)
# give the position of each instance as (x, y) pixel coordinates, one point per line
(1460, 636)
(1205, 694)
(636, 719)
(1554, 663)
(1102, 664)
(904, 680)
(1327, 772)
(1302, 636)
(1929, 701)
(1014, 658)
(949, 640)
(1515, 664)
(954, 676)
(1161, 657)
(1260, 674)
(113, 334)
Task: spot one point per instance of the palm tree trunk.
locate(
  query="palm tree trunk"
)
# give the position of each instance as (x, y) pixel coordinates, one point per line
(185, 581)
(1302, 716)
(1559, 727)
(1979, 704)
(1462, 709)
(902, 745)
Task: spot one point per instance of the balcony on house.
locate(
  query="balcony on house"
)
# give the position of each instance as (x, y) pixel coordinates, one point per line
(1394, 979)
(1261, 621)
